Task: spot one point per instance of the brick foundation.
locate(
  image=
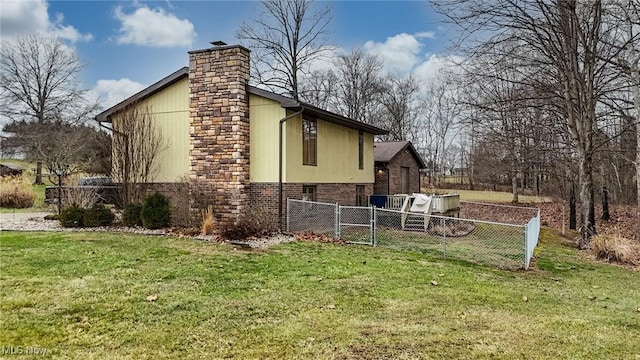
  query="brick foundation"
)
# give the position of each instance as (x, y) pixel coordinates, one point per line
(266, 194)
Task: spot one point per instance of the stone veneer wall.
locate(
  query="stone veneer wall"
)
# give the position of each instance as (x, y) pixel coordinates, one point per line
(219, 127)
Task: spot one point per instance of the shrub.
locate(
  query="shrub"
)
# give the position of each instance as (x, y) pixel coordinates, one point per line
(207, 221)
(615, 248)
(16, 193)
(98, 215)
(254, 223)
(155, 212)
(72, 216)
(131, 215)
(85, 198)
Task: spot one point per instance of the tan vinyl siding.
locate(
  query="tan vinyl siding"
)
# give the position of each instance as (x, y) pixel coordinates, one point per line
(264, 118)
(337, 155)
(170, 111)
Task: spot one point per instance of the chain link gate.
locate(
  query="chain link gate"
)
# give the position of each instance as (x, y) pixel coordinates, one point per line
(356, 224)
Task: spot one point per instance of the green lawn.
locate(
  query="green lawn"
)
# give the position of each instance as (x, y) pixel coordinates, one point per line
(492, 196)
(84, 295)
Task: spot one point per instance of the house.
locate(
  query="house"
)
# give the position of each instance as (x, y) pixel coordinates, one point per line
(247, 146)
(397, 167)
(10, 170)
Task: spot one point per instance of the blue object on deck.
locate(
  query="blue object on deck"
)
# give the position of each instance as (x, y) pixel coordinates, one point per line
(378, 200)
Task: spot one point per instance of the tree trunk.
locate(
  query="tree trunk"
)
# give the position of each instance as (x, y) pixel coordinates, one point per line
(587, 215)
(514, 187)
(39, 173)
(605, 204)
(637, 105)
(572, 208)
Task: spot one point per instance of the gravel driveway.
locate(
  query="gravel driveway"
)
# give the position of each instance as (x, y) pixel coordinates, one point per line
(28, 222)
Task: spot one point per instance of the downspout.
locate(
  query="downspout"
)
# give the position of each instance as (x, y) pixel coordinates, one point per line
(282, 121)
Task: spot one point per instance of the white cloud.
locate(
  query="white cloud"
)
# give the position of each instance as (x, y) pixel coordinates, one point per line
(434, 66)
(399, 53)
(425, 35)
(154, 27)
(111, 92)
(28, 16)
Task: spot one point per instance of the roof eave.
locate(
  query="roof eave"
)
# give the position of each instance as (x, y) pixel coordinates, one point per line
(105, 116)
(341, 120)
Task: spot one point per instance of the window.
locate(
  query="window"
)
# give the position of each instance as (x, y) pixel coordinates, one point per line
(309, 192)
(360, 150)
(361, 199)
(309, 142)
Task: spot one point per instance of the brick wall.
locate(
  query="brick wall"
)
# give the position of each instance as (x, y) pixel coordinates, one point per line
(266, 194)
(404, 158)
(381, 186)
(219, 127)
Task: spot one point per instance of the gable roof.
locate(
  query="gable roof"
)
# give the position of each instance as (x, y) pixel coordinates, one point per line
(385, 151)
(105, 116)
(285, 102)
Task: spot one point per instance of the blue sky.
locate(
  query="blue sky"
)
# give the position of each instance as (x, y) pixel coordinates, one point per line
(129, 45)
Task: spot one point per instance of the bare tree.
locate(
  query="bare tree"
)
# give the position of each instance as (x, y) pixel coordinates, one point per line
(320, 89)
(626, 17)
(399, 107)
(137, 142)
(284, 41)
(38, 84)
(567, 43)
(360, 86)
(441, 119)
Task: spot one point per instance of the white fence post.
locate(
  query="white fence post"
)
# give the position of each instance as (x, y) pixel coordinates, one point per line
(526, 247)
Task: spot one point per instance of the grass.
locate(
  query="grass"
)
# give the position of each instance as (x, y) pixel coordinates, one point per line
(38, 204)
(492, 196)
(84, 295)
(29, 168)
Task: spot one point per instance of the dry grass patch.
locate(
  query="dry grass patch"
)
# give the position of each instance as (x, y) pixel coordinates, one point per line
(16, 193)
(614, 248)
(207, 221)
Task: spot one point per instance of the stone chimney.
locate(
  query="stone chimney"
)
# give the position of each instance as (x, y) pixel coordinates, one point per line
(219, 128)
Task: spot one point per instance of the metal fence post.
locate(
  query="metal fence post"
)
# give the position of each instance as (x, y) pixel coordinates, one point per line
(288, 212)
(373, 225)
(444, 238)
(336, 221)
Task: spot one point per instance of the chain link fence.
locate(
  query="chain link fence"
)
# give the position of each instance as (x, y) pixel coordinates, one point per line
(484, 242)
(316, 217)
(481, 242)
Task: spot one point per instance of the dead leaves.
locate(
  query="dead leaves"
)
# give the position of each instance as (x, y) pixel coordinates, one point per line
(313, 237)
